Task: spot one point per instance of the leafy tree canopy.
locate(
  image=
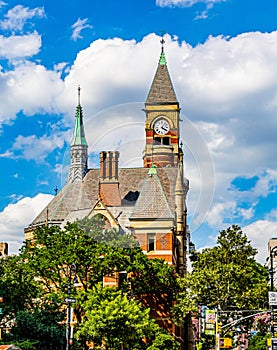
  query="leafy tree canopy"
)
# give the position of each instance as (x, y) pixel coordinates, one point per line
(225, 277)
(41, 326)
(94, 252)
(18, 286)
(121, 321)
(54, 250)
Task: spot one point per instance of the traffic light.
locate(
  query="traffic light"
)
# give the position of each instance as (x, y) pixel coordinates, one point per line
(218, 327)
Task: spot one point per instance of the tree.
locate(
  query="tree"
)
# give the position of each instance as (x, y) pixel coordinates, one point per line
(258, 342)
(39, 327)
(18, 286)
(163, 341)
(225, 277)
(121, 321)
(96, 252)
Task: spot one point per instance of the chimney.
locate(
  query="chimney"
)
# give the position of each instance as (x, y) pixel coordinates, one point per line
(109, 184)
(109, 166)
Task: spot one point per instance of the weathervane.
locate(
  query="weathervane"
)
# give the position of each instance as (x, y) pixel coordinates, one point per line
(163, 41)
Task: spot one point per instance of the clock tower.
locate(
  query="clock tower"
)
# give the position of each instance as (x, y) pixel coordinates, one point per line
(162, 120)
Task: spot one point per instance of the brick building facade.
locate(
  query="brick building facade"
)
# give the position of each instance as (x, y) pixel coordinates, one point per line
(147, 202)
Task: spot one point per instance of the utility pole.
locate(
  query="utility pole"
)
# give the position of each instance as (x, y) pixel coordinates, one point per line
(69, 300)
(272, 296)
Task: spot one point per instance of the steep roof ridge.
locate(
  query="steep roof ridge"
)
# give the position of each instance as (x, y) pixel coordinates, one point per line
(149, 204)
(161, 90)
(164, 196)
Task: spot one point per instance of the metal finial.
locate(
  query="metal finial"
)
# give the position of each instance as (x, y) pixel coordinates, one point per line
(56, 190)
(163, 41)
(79, 95)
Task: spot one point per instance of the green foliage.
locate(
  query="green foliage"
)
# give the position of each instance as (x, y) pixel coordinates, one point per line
(17, 286)
(225, 277)
(258, 342)
(95, 228)
(27, 345)
(163, 341)
(121, 321)
(55, 250)
(96, 252)
(207, 342)
(39, 328)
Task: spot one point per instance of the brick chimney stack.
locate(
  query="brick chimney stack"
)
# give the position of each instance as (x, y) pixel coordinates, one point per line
(109, 184)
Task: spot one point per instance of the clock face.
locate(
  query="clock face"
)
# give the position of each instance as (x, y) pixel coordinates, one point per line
(161, 127)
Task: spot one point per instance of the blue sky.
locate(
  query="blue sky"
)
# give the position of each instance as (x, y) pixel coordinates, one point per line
(222, 59)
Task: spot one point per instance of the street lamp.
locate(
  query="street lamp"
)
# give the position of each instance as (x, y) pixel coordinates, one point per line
(69, 300)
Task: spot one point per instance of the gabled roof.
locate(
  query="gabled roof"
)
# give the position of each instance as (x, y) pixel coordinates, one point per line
(76, 199)
(161, 90)
(152, 202)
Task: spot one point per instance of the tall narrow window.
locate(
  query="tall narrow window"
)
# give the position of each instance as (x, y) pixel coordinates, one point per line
(151, 241)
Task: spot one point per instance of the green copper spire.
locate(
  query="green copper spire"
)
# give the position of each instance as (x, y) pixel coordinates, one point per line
(162, 60)
(152, 170)
(79, 131)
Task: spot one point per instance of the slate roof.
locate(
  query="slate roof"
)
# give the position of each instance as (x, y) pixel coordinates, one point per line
(152, 202)
(77, 198)
(161, 90)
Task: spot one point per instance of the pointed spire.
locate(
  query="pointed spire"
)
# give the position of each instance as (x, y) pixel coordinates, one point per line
(162, 60)
(79, 147)
(161, 90)
(79, 131)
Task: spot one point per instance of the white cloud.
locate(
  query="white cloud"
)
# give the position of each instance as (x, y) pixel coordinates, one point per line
(259, 234)
(19, 215)
(16, 18)
(16, 46)
(38, 148)
(272, 215)
(219, 212)
(78, 26)
(60, 66)
(247, 214)
(6, 154)
(30, 88)
(186, 3)
(104, 86)
(226, 87)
